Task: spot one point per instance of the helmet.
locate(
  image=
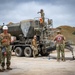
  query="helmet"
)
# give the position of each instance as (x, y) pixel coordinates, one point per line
(5, 28)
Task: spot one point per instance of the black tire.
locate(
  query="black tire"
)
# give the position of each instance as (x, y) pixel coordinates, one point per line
(28, 52)
(18, 52)
(44, 54)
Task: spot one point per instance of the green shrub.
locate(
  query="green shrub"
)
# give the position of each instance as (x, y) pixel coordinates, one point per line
(73, 33)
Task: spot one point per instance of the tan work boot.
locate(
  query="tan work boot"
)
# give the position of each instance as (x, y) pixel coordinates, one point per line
(58, 60)
(8, 68)
(1, 70)
(63, 59)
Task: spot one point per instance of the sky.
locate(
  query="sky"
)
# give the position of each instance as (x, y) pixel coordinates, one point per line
(62, 12)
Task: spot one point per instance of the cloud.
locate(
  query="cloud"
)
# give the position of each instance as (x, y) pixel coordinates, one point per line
(62, 12)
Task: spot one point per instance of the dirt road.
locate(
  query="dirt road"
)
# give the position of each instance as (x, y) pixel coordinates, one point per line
(42, 66)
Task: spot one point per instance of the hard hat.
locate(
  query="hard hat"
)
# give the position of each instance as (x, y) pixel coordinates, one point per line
(5, 28)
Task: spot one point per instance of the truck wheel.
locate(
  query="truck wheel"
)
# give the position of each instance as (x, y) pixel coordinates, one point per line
(45, 54)
(28, 52)
(18, 51)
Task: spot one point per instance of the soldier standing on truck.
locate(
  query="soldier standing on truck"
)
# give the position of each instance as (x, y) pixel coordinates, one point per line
(60, 44)
(34, 46)
(6, 51)
(42, 15)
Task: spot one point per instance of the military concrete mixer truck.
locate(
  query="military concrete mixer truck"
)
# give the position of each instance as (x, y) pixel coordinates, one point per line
(24, 32)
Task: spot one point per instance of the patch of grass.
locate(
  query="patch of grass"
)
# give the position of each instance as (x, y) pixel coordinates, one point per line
(73, 33)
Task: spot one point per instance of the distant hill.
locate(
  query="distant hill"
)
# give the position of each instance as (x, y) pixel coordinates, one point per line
(68, 32)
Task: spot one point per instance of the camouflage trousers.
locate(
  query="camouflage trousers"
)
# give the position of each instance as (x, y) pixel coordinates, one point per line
(35, 51)
(6, 55)
(60, 49)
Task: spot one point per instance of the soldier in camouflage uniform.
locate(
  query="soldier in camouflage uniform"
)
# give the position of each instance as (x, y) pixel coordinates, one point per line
(60, 44)
(6, 51)
(34, 46)
(42, 14)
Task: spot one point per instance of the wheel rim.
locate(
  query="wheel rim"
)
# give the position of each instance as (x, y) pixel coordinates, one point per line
(27, 51)
(17, 52)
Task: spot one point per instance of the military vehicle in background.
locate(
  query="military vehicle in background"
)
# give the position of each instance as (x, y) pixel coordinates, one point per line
(24, 32)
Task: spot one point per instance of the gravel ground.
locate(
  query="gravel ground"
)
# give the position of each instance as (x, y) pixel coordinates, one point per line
(41, 65)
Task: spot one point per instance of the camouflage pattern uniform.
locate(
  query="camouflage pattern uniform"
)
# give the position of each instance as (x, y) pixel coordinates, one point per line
(0, 48)
(7, 52)
(60, 44)
(0, 53)
(42, 15)
(34, 47)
